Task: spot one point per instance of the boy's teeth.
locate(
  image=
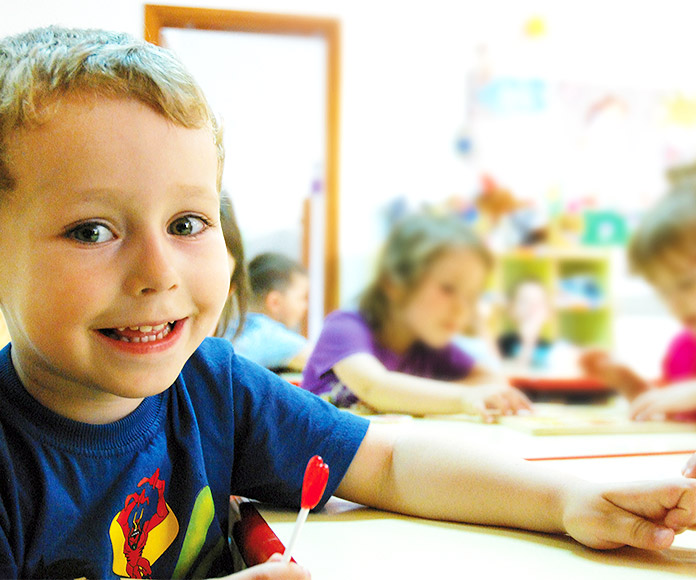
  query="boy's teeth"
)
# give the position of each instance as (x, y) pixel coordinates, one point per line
(161, 331)
(144, 328)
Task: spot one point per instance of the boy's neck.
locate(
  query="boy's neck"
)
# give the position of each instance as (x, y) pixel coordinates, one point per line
(62, 400)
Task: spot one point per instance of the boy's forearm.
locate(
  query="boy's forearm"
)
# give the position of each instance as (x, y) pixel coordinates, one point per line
(454, 480)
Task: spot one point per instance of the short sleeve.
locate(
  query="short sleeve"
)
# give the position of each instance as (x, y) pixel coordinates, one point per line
(343, 334)
(278, 428)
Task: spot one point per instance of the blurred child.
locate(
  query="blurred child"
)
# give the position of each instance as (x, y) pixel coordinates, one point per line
(396, 353)
(124, 428)
(663, 251)
(279, 295)
(234, 312)
(529, 311)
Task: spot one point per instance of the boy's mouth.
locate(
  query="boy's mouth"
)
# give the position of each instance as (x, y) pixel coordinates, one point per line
(137, 334)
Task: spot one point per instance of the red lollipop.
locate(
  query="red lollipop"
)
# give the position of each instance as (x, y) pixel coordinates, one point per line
(315, 478)
(313, 485)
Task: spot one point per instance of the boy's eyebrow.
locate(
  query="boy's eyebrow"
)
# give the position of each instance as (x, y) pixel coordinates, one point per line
(99, 194)
(198, 191)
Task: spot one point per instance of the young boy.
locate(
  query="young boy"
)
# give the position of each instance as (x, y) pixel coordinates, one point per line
(123, 429)
(279, 294)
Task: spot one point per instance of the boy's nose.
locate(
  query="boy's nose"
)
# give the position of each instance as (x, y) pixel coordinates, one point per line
(153, 268)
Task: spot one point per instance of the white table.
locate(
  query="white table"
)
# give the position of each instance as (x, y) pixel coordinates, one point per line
(349, 542)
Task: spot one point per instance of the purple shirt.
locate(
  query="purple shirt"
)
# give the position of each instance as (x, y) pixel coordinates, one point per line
(345, 333)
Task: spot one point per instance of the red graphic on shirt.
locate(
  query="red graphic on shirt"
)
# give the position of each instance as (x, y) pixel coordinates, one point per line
(136, 531)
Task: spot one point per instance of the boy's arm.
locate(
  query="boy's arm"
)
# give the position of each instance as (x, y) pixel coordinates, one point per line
(390, 391)
(444, 478)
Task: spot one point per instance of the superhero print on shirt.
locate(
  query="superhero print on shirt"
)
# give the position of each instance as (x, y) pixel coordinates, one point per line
(142, 531)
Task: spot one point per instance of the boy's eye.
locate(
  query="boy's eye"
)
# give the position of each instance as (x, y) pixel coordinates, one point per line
(187, 226)
(91, 233)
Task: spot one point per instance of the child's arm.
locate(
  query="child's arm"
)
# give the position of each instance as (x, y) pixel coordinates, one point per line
(299, 361)
(599, 364)
(445, 478)
(390, 391)
(657, 403)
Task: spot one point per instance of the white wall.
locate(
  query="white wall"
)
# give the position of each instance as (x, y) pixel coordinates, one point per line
(404, 75)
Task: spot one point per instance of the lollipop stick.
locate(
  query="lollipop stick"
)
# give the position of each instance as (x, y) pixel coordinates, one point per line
(313, 485)
(301, 519)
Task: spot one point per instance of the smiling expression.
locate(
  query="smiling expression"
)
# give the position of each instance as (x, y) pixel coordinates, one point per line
(113, 266)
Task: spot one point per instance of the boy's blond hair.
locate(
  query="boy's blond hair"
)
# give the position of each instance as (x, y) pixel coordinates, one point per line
(40, 67)
(670, 225)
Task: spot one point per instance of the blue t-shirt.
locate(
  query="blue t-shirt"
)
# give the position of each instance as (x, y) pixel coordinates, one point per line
(151, 491)
(266, 341)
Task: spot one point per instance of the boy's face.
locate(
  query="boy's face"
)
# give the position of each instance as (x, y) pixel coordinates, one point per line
(445, 300)
(291, 305)
(113, 267)
(674, 277)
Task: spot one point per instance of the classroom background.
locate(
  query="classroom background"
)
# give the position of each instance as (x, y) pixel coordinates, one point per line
(551, 126)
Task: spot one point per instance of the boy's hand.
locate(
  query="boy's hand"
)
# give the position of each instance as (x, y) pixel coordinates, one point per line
(645, 515)
(273, 569)
(658, 403)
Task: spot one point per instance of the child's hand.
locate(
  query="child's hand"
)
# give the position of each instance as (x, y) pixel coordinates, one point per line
(598, 364)
(645, 515)
(495, 399)
(273, 569)
(658, 403)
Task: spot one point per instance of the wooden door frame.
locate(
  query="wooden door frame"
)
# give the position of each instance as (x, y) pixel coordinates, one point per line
(159, 16)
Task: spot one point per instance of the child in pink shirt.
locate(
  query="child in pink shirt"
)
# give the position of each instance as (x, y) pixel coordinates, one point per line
(663, 250)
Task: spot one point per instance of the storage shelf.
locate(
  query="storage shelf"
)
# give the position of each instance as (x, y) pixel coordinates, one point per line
(558, 270)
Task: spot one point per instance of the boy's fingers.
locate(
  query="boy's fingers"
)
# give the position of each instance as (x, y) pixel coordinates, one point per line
(634, 531)
(683, 514)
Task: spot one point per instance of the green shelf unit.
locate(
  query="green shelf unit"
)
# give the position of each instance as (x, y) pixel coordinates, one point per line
(575, 318)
